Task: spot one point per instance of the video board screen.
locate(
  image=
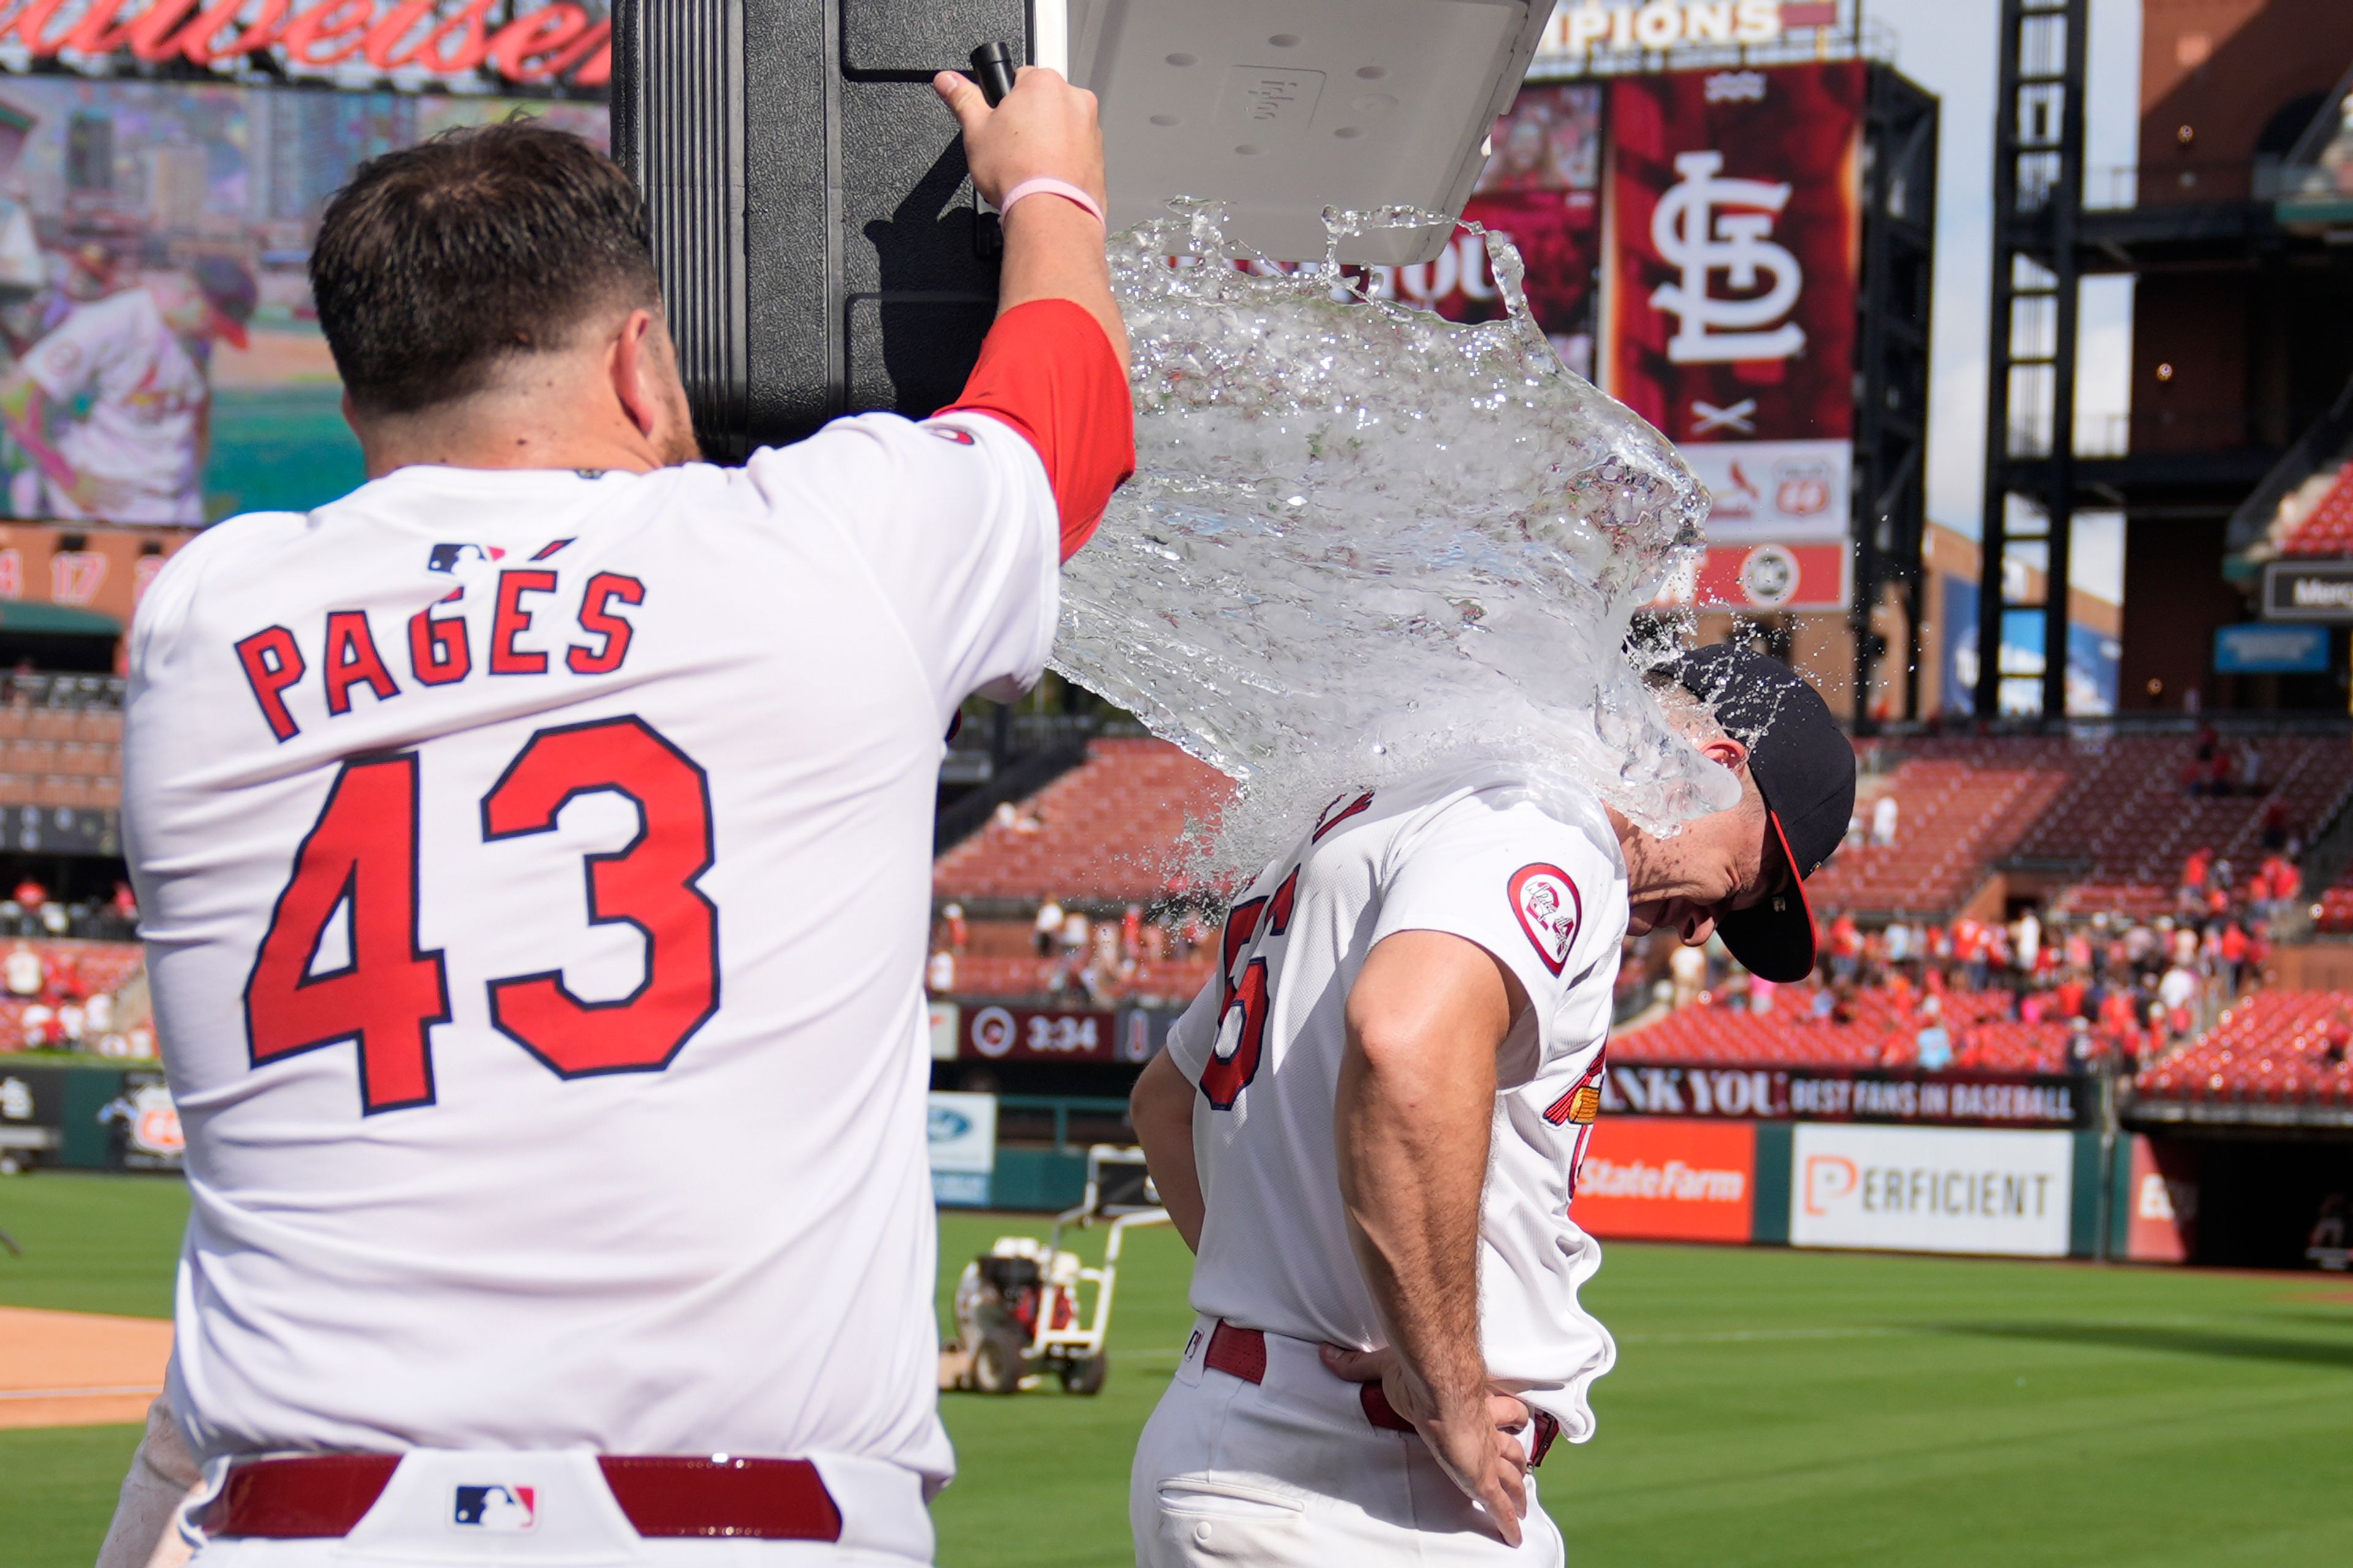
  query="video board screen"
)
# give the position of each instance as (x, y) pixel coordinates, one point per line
(162, 361)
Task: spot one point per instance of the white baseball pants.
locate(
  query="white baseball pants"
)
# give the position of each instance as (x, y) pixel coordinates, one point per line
(1288, 1473)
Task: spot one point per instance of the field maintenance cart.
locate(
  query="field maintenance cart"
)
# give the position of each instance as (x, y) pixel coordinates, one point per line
(1022, 1307)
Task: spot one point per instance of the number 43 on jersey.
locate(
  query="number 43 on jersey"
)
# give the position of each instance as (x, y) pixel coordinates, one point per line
(361, 857)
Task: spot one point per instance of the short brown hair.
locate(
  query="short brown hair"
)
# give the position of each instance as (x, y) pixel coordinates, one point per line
(440, 260)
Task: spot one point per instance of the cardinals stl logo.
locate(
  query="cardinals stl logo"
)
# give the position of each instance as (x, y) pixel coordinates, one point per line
(1549, 911)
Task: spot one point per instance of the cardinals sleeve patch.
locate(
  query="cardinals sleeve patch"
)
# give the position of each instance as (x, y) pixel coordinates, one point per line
(1549, 910)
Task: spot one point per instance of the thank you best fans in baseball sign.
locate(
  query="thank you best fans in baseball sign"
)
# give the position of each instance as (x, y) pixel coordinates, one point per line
(1731, 327)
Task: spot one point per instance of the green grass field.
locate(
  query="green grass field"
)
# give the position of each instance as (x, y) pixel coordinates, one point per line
(1768, 1407)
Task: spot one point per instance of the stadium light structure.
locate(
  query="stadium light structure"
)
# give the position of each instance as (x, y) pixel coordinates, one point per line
(819, 240)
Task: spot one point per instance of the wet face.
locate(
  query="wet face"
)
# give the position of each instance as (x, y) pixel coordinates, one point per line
(1731, 860)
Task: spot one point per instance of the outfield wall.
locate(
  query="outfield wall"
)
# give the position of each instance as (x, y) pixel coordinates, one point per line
(2006, 1192)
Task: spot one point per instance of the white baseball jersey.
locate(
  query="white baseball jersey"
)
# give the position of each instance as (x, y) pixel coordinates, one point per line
(1536, 878)
(142, 440)
(535, 870)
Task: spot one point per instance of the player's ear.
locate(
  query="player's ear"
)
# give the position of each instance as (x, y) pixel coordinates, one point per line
(635, 362)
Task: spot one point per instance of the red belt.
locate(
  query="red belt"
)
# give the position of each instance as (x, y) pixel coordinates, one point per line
(328, 1494)
(1241, 1353)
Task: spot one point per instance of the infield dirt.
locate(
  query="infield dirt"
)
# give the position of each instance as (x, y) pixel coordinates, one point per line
(79, 1369)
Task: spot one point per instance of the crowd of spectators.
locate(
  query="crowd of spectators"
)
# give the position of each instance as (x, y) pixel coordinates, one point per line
(30, 910)
(2126, 989)
(1091, 960)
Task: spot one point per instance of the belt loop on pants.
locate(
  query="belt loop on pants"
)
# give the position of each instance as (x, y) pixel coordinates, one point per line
(326, 1495)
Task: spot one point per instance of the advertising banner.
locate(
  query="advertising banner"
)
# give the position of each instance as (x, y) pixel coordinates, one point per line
(1736, 219)
(2260, 649)
(2093, 658)
(142, 1126)
(160, 362)
(946, 1030)
(1767, 577)
(2161, 1202)
(1667, 1179)
(1636, 35)
(1931, 1189)
(447, 43)
(961, 1138)
(1846, 1094)
(1036, 1035)
(32, 1111)
(2308, 591)
(1541, 190)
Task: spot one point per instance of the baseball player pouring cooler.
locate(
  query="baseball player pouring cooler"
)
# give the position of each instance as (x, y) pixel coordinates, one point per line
(534, 849)
(1368, 1127)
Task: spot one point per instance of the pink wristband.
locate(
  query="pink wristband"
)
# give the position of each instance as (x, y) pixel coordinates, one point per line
(1043, 186)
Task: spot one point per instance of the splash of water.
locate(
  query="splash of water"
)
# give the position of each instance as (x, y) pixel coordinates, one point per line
(1363, 541)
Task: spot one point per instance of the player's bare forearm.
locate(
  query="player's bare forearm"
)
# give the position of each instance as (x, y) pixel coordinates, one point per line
(1055, 251)
(1413, 1119)
(1162, 1110)
(1044, 129)
(24, 408)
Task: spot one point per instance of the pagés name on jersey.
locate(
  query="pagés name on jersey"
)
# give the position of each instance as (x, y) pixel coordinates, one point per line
(1532, 873)
(534, 868)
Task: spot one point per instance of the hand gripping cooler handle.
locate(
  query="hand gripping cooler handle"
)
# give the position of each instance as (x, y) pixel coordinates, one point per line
(992, 66)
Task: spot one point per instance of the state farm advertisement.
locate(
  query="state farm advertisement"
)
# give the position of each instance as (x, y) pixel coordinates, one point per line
(1028, 1035)
(1667, 1179)
(1735, 199)
(1846, 1094)
(1931, 1189)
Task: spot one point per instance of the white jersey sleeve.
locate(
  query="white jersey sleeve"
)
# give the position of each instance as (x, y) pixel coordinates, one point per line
(1521, 883)
(956, 521)
(1195, 1032)
(71, 357)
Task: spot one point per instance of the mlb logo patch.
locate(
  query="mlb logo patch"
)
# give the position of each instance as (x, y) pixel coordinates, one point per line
(447, 558)
(497, 1510)
(1549, 910)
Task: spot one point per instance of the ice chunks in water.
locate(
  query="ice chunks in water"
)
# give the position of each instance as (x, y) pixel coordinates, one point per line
(1363, 541)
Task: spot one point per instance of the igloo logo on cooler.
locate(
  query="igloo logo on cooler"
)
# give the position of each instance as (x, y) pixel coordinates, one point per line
(1549, 911)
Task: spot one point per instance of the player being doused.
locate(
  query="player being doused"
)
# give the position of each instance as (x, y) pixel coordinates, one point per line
(1368, 1127)
(143, 358)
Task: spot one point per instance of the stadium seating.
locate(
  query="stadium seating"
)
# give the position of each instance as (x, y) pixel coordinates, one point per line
(60, 755)
(2266, 1049)
(2335, 906)
(1171, 981)
(2113, 807)
(2328, 528)
(2125, 812)
(1106, 832)
(1954, 818)
(1789, 1036)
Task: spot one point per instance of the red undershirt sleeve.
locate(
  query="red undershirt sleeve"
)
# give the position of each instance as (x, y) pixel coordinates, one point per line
(1047, 370)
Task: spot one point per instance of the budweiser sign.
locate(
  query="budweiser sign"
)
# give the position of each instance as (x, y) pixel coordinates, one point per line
(440, 42)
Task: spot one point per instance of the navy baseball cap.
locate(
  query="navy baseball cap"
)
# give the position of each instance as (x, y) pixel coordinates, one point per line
(227, 285)
(1804, 767)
